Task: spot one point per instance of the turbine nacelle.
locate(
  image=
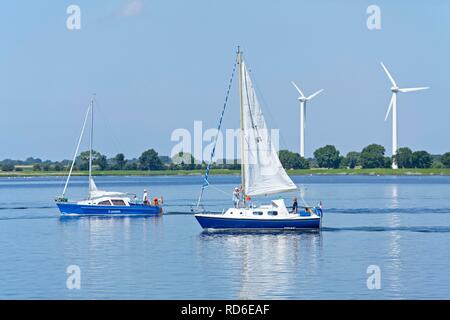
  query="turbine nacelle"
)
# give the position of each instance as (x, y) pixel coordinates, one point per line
(395, 89)
(302, 97)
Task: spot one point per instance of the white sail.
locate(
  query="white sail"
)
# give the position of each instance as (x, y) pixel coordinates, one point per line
(92, 185)
(263, 171)
(94, 193)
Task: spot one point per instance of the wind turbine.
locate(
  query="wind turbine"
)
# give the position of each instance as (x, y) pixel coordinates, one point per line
(393, 106)
(303, 101)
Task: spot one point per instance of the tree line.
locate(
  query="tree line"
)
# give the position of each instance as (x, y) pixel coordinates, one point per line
(372, 156)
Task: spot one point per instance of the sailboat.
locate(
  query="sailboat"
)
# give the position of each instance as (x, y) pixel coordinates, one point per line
(262, 174)
(100, 202)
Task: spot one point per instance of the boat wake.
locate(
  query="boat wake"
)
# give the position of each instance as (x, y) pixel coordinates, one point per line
(419, 229)
(26, 207)
(388, 210)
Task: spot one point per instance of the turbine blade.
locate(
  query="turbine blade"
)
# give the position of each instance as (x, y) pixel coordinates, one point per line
(389, 75)
(314, 94)
(298, 89)
(413, 89)
(390, 107)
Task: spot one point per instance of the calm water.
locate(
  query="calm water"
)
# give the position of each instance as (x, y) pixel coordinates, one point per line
(401, 224)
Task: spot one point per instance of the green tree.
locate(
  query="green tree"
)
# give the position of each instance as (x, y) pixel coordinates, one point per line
(149, 160)
(387, 162)
(8, 167)
(445, 159)
(184, 161)
(98, 159)
(404, 158)
(131, 166)
(37, 167)
(327, 157)
(352, 159)
(372, 156)
(102, 162)
(421, 159)
(437, 165)
(119, 161)
(58, 166)
(292, 160)
(304, 163)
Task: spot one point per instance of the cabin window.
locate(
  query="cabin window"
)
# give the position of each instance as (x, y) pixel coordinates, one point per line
(257, 213)
(118, 202)
(104, 203)
(272, 213)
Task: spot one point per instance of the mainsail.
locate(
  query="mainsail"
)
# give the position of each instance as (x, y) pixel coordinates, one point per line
(263, 171)
(94, 193)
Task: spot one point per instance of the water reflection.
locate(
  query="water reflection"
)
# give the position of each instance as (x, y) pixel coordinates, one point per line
(102, 232)
(268, 264)
(394, 250)
(393, 195)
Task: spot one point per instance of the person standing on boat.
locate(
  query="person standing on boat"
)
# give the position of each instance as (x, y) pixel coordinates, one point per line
(236, 197)
(145, 198)
(295, 206)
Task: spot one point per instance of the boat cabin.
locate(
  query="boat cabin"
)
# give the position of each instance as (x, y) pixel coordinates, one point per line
(108, 201)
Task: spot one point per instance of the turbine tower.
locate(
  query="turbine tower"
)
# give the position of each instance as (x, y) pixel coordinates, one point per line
(393, 106)
(303, 101)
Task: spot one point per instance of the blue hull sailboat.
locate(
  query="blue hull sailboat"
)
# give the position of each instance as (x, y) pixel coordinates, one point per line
(274, 216)
(115, 206)
(262, 174)
(99, 202)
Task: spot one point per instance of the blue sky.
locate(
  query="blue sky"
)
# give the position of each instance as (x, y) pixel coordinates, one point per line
(160, 65)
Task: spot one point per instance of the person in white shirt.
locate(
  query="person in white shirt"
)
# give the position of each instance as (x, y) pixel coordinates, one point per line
(236, 197)
(145, 198)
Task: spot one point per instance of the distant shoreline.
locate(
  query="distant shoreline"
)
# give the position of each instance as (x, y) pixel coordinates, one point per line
(302, 172)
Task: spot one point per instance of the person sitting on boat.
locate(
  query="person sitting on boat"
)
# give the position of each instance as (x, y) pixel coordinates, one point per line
(248, 201)
(145, 198)
(155, 201)
(236, 197)
(295, 206)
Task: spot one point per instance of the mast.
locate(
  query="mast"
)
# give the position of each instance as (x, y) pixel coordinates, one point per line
(90, 145)
(239, 61)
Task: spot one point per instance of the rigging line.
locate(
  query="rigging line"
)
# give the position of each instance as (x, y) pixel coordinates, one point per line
(213, 152)
(302, 190)
(220, 190)
(65, 172)
(77, 149)
(115, 141)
